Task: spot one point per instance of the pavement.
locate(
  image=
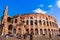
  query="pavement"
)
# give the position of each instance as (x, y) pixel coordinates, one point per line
(35, 37)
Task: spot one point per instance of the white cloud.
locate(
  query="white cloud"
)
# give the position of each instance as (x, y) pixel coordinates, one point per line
(50, 6)
(38, 10)
(58, 3)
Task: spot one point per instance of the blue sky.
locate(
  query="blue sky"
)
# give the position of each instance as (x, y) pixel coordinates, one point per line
(51, 7)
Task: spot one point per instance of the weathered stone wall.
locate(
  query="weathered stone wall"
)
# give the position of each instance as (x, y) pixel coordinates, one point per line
(37, 24)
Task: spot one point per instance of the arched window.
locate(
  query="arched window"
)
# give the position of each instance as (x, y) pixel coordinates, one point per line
(14, 31)
(31, 22)
(50, 23)
(43, 22)
(31, 17)
(10, 27)
(27, 22)
(31, 31)
(19, 30)
(52, 31)
(35, 22)
(36, 31)
(45, 31)
(15, 20)
(9, 19)
(41, 31)
(27, 31)
(40, 22)
(48, 30)
(23, 21)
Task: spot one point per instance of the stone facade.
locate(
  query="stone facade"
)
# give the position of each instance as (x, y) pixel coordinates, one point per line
(29, 23)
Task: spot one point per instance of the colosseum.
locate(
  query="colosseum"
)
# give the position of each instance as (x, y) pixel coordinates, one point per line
(36, 23)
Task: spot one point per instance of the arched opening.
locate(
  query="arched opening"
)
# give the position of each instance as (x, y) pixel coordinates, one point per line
(48, 31)
(27, 22)
(52, 31)
(50, 23)
(36, 31)
(35, 22)
(15, 20)
(10, 29)
(31, 22)
(31, 17)
(40, 22)
(9, 19)
(41, 31)
(45, 31)
(27, 31)
(31, 31)
(19, 30)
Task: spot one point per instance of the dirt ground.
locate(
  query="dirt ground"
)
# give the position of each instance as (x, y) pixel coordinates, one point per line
(35, 37)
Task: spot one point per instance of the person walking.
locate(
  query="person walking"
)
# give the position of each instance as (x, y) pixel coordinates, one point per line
(31, 37)
(50, 35)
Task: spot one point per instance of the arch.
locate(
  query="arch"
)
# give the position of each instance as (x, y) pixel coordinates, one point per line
(48, 31)
(15, 20)
(50, 23)
(31, 22)
(10, 27)
(19, 30)
(36, 31)
(40, 22)
(31, 17)
(31, 31)
(35, 21)
(43, 22)
(52, 31)
(27, 22)
(41, 31)
(9, 19)
(46, 18)
(27, 31)
(45, 31)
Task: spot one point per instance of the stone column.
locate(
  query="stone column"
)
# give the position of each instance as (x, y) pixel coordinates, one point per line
(3, 31)
(34, 25)
(6, 29)
(38, 27)
(23, 30)
(43, 31)
(42, 22)
(46, 23)
(29, 25)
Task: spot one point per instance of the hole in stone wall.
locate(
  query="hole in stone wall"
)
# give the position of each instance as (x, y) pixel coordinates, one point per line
(10, 27)
(36, 31)
(9, 19)
(41, 31)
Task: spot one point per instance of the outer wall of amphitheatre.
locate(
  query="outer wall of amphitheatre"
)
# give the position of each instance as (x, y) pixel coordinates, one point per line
(36, 24)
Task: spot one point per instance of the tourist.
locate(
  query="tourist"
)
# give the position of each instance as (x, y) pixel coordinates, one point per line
(50, 35)
(31, 37)
(24, 36)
